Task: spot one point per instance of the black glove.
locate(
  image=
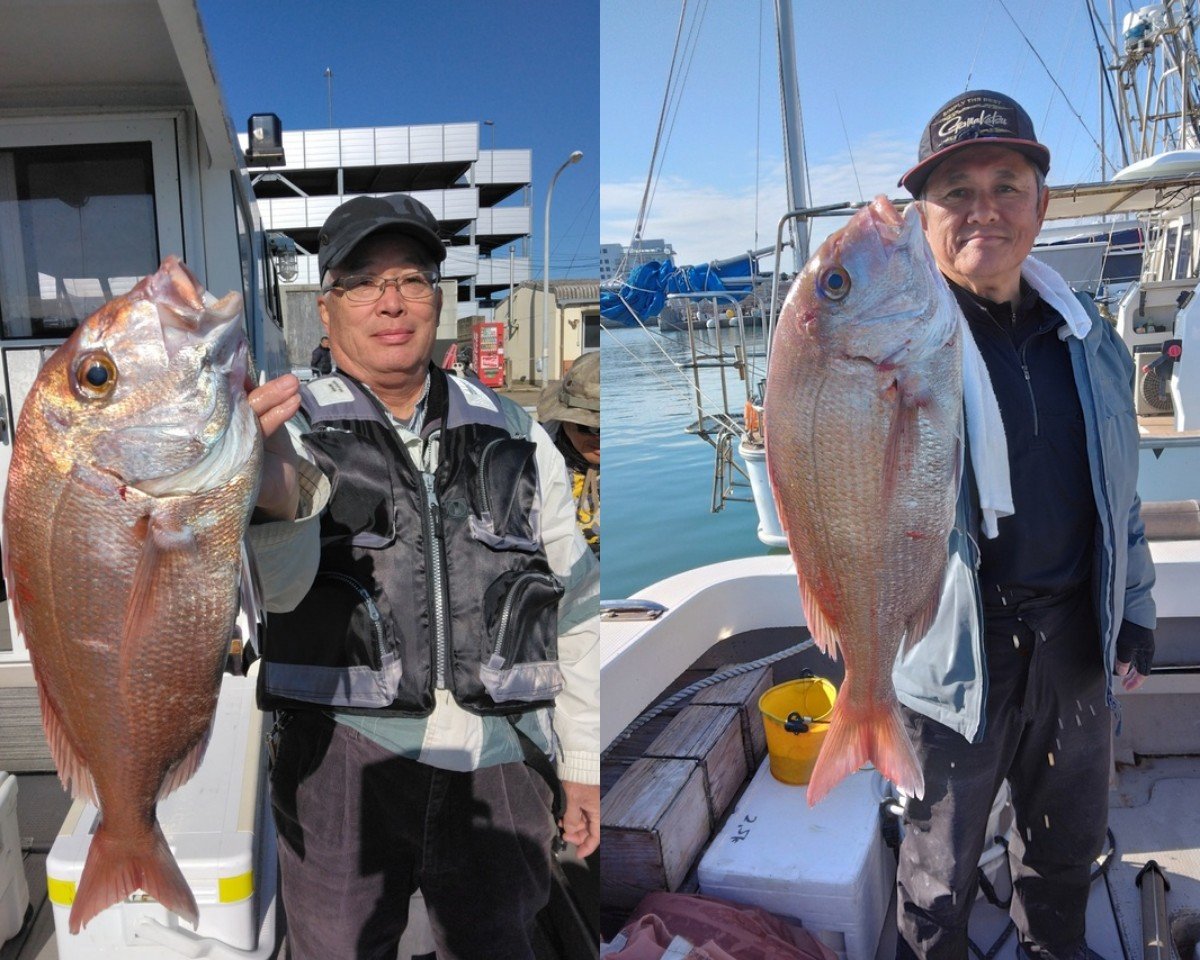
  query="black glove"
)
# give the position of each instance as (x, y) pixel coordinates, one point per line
(1135, 644)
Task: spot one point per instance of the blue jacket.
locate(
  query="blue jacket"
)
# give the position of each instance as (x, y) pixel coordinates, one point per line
(944, 676)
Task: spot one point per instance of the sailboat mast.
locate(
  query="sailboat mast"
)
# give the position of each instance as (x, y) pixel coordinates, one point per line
(793, 128)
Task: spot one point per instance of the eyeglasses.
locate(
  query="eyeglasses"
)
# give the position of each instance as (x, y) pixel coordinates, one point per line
(418, 285)
(590, 431)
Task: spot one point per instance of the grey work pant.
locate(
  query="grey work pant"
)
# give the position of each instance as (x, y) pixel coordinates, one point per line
(1048, 733)
(360, 829)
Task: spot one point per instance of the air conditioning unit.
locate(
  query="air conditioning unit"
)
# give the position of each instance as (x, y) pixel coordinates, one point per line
(1151, 393)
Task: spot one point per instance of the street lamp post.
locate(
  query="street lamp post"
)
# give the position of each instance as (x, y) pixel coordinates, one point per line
(575, 157)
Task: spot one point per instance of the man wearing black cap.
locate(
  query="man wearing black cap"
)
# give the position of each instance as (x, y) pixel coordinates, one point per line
(430, 649)
(1063, 584)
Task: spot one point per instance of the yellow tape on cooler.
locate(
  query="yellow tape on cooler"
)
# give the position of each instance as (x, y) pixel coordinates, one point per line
(232, 889)
(61, 892)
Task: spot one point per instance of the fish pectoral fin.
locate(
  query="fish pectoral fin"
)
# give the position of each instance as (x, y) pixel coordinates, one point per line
(74, 774)
(160, 534)
(828, 640)
(250, 589)
(901, 451)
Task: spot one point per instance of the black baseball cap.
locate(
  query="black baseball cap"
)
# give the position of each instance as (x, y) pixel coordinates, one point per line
(360, 217)
(971, 119)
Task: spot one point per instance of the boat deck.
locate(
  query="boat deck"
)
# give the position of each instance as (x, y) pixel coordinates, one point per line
(1153, 815)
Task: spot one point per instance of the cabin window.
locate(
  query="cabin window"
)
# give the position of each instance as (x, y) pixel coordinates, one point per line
(80, 228)
(1183, 261)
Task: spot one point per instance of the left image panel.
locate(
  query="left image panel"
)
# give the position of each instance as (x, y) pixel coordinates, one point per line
(299, 462)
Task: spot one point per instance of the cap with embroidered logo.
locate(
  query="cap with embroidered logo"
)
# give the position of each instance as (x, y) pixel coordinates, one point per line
(974, 118)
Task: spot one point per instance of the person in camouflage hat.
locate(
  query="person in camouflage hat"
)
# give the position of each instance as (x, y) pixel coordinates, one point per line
(569, 409)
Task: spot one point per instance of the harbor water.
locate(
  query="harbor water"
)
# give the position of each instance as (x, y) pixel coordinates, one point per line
(658, 479)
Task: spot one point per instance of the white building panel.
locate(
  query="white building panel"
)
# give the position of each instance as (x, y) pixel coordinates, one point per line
(495, 271)
(504, 166)
(504, 220)
(391, 145)
(461, 141)
(320, 148)
(358, 147)
(425, 144)
(461, 262)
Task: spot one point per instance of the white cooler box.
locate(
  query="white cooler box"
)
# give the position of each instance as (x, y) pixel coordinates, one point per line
(219, 828)
(826, 866)
(14, 891)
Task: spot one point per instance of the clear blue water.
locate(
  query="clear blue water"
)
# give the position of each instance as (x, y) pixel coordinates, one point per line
(657, 479)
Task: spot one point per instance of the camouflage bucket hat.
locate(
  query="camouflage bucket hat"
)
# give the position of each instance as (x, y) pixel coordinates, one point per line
(576, 397)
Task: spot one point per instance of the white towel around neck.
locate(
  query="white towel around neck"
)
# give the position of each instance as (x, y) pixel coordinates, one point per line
(985, 428)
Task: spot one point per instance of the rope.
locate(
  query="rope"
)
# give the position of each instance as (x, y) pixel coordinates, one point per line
(699, 685)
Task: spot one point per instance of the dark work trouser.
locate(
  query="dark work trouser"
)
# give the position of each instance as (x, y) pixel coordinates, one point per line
(1048, 733)
(360, 829)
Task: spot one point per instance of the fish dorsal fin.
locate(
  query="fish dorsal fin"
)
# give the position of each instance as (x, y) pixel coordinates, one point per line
(822, 631)
(250, 589)
(72, 771)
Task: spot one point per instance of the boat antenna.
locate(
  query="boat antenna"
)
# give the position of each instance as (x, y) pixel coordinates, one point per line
(1053, 79)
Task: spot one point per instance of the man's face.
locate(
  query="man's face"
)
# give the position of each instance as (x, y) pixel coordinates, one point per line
(584, 440)
(391, 339)
(983, 211)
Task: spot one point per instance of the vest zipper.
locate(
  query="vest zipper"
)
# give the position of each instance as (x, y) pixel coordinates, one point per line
(485, 502)
(434, 551)
(372, 610)
(506, 610)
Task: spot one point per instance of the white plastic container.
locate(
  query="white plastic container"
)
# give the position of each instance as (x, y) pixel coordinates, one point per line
(825, 866)
(218, 826)
(14, 891)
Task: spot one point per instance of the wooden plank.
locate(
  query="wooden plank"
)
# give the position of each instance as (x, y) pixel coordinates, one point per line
(712, 736)
(743, 692)
(654, 823)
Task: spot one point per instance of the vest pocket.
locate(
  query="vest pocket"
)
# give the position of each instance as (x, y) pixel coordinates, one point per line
(335, 648)
(521, 608)
(363, 507)
(505, 508)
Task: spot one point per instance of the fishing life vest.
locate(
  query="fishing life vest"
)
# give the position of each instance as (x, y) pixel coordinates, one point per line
(426, 580)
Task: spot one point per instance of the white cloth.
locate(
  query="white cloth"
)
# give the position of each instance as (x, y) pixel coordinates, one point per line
(1054, 290)
(985, 434)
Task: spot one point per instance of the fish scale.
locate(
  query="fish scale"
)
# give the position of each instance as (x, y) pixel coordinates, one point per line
(127, 500)
(863, 443)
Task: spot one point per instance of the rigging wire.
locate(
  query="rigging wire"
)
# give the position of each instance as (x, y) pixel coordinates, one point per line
(1112, 100)
(978, 45)
(686, 388)
(640, 223)
(1053, 79)
(758, 122)
(849, 149)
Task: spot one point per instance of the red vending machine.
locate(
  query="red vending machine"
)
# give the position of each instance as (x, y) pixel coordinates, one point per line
(488, 353)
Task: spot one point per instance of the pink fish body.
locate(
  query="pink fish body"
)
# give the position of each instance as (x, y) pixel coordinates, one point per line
(863, 441)
(135, 467)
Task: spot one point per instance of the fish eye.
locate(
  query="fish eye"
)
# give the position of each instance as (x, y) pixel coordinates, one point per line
(95, 375)
(834, 283)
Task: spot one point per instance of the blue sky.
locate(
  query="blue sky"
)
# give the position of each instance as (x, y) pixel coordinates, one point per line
(532, 68)
(871, 73)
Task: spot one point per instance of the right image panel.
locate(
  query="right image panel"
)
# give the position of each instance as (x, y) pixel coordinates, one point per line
(900, 610)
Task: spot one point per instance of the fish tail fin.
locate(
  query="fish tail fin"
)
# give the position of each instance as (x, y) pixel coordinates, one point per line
(857, 735)
(114, 870)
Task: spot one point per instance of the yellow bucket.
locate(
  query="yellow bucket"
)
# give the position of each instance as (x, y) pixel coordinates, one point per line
(796, 717)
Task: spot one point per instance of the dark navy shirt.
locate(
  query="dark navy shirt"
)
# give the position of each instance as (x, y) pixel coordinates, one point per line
(1046, 546)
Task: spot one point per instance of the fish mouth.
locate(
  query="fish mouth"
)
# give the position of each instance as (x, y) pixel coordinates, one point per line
(193, 320)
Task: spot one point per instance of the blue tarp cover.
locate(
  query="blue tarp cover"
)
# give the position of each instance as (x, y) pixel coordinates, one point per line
(645, 290)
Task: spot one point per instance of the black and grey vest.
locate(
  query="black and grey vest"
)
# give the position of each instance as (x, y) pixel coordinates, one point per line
(426, 580)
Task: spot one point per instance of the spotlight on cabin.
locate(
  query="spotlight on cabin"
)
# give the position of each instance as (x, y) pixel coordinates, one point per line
(283, 252)
(265, 148)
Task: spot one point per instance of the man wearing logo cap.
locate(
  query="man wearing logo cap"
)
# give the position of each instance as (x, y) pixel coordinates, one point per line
(569, 409)
(433, 617)
(1023, 692)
